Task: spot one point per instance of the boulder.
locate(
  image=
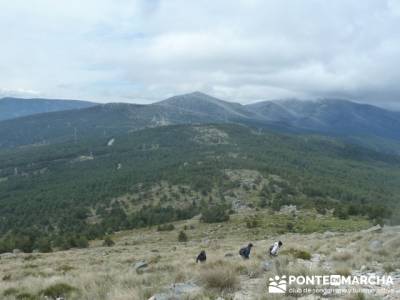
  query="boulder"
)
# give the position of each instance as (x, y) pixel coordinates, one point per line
(375, 245)
(329, 234)
(316, 258)
(363, 268)
(184, 288)
(288, 209)
(7, 255)
(376, 228)
(140, 265)
(177, 291)
(267, 266)
(206, 242)
(160, 297)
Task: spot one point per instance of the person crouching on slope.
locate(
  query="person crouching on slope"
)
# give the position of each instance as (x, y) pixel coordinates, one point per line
(245, 251)
(201, 257)
(274, 249)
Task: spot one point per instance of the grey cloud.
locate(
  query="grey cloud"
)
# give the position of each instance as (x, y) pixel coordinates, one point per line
(143, 51)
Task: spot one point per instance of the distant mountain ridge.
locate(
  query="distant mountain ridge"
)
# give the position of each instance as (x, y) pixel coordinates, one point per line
(360, 123)
(11, 108)
(331, 116)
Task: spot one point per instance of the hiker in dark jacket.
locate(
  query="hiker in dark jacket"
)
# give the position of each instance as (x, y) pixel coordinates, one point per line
(245, 251)
(201, 257)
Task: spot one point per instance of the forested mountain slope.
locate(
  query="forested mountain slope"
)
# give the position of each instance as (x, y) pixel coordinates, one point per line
(166, 173)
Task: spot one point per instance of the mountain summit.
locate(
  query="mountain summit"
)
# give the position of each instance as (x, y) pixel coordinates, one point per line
(203, 104)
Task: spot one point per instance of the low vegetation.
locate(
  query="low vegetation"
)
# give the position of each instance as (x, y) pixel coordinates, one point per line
(220, 275)
(101, 272)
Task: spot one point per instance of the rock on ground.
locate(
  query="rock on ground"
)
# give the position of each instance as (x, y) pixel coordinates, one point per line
(178, 291)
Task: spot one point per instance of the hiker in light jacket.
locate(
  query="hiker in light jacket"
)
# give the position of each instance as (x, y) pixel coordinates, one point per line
(274, 249)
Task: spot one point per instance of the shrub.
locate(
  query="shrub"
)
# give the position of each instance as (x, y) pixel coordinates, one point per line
(108, 242)
(220, 276)
(358, 296)
(263, 203)
(342, 256)
(65, 268)
(166, 227)
(214, 214)
(290, 227)
(182, 237)
(341, 213)
(26, 296)
(343, 271)
(82, 242)
(388, 268)
(302, 254)
(252, 222)
(58, 289)
(321, 210)
(10, 292)
(44, 245)
(6, 277)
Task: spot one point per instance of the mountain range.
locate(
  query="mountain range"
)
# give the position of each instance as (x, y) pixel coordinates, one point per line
(11, 108)
(88, 171)
(46, 121)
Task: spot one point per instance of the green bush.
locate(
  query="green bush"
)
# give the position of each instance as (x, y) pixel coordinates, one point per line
(341, 213)
(58, 289)
(290, 227)
(26, 296)
(166, 227)
(10, 292)
(214, 214)
(182, 237)
(252, 222)
(44, 245)
(302, 254)
(82, 242)
(108, 242)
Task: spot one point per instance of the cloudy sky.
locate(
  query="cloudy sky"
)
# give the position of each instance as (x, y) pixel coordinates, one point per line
(239, 50)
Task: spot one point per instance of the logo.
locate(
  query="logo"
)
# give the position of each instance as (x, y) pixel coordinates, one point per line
(327, 283)
(277, 285)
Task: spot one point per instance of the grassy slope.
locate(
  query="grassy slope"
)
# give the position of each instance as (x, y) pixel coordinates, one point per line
(108, 273)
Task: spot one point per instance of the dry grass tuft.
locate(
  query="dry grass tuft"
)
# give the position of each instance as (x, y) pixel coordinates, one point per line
(343, 271)
(342, 256)
(220, 275)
